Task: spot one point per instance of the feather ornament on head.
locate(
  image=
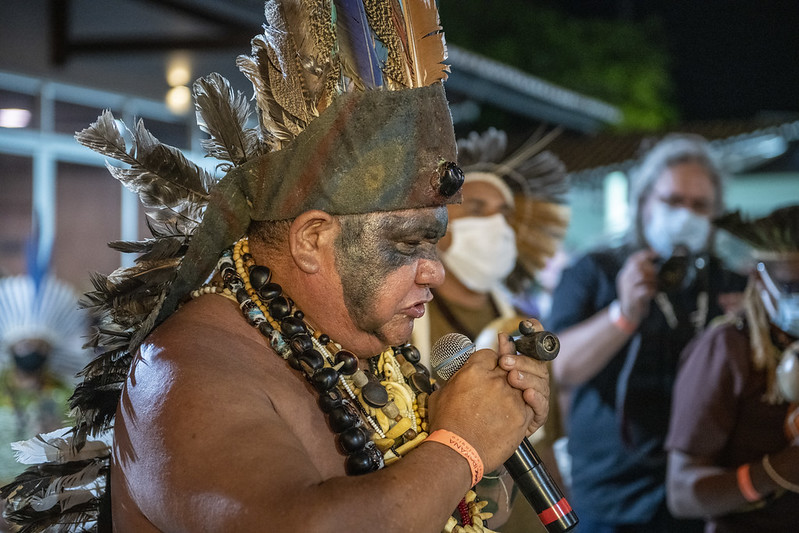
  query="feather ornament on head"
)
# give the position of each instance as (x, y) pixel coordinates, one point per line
(774, 243)
(535, 182)
(349, 98)
(772, 237)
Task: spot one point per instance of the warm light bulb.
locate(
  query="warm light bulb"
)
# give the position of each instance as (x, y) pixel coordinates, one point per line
(178, 70)
(13, 117)
(178, 99)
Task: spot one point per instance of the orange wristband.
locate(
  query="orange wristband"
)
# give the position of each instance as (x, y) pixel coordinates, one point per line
(448, 438)
(748, 490)
(619, 320)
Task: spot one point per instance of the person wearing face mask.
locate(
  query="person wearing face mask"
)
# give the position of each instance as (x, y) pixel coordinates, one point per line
(41, 336)
(509, 223)
(733, 443)
(623, 315)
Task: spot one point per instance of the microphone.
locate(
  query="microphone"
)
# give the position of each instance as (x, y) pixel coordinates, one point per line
(449, 353)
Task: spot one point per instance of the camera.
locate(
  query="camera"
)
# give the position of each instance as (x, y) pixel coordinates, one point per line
(676, 270)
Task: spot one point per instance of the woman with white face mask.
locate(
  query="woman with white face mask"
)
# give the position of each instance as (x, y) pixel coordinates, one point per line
(487, 240)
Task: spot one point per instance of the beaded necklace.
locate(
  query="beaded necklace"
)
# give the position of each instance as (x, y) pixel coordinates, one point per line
(378, 416)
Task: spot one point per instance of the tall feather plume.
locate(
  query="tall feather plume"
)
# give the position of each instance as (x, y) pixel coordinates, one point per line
(223, 115)
(315, 41)
(275, 72)
(426, 45)
(336, 46)
(388, 24)
(286, 81)
(295, 74)
(158, 173)
(277, 127)
(357, 44)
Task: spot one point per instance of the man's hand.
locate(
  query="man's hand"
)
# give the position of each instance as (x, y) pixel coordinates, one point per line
(486, 407)
(528, 375)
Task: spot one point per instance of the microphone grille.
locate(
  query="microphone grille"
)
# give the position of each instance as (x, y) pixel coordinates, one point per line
(449, 353)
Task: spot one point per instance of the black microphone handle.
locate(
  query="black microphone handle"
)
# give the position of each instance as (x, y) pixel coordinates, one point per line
(534, 481)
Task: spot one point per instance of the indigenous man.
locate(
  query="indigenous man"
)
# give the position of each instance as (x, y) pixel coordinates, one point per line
(275, 399)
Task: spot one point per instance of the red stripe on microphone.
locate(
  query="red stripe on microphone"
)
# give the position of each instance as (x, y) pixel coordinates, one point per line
(562, 508)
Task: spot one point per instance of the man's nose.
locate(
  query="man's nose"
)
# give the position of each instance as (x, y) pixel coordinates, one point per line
(430, 273)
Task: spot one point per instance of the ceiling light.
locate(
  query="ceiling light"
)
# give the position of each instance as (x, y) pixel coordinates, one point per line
(178, 70)
(12, 117)
(178, 99)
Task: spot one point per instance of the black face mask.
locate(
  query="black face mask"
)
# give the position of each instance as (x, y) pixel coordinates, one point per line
(30, 362)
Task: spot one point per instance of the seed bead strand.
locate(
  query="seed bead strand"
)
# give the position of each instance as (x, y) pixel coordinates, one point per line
(244, 263)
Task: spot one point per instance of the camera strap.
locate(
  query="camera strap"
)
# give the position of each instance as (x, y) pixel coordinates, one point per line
(697, 317)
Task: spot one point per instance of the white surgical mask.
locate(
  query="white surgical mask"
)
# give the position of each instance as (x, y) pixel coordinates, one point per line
(482, 253)
(787, 318)
(782, 307)
(669, 226)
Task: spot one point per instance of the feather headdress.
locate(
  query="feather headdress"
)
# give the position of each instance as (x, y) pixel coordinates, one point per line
(771, 236)
(538, 182)
(48, 312)
(348, 98)
(774, 239)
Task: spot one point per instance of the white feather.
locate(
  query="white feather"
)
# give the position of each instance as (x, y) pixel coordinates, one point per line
(56, 446)
(72, 490)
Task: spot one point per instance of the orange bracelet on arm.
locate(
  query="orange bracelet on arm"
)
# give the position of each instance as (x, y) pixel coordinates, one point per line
(748, 490)
(619, 320)
(448, 438)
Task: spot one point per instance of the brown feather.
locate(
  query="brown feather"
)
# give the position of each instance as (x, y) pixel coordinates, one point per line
(383, 19)
(283, 71)
(277, 126)
(426, 46)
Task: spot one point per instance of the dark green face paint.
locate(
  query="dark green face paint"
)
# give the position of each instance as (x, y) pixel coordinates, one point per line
(373, 246)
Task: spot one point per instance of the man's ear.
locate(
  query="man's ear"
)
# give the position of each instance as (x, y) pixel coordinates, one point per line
(311, 238)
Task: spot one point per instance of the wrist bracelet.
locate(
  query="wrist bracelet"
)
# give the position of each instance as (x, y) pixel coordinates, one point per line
(619, 320)
(448, 438)
(748, 490)
(776, 478)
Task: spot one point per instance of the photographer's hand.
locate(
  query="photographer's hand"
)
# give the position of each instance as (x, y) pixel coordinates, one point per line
(587, 347)
(636, 285)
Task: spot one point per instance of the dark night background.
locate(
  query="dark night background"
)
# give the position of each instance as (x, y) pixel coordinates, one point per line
(730, 58)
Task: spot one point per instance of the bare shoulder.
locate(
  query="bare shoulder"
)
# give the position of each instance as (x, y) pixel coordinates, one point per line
(206, 408)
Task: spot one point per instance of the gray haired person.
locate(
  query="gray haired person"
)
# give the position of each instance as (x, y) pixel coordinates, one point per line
(623, 315)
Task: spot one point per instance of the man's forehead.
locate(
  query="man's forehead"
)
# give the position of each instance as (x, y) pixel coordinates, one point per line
(410, 220)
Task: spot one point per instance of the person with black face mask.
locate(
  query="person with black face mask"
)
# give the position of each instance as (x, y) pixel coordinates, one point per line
(41, 337)
(733, 442)
(623, 315)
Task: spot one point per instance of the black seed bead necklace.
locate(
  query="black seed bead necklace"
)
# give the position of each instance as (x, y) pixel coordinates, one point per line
(377, 416)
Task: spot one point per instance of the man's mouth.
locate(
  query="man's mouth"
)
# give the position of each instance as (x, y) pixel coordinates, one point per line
(416, 311)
